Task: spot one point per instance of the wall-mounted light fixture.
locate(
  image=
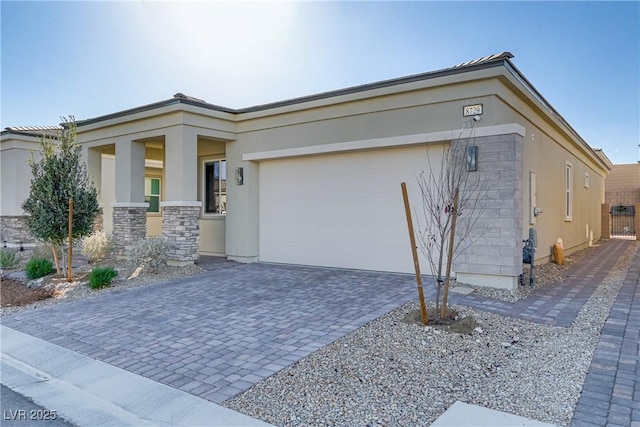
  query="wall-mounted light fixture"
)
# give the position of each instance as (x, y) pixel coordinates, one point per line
(240, 176)
(472, 158)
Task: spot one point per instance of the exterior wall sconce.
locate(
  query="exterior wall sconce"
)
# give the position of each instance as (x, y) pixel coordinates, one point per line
(472, 158)
(239, 176)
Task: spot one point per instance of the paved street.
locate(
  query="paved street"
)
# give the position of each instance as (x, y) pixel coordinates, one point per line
(19, 411)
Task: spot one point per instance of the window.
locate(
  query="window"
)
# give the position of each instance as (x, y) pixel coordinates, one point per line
(215, 187)
(568, 192)
(152, 194)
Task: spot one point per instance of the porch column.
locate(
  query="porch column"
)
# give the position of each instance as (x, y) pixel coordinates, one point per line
(181, 208)
(129, 209)
(93, 160)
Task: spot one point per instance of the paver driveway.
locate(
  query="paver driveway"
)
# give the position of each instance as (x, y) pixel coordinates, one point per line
(217, 334)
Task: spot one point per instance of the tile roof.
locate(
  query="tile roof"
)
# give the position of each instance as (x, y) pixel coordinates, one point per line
(34, 130)
(180, 98)
(486, 59)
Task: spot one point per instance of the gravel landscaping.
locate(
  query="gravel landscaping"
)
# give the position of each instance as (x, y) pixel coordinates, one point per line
(393, 373)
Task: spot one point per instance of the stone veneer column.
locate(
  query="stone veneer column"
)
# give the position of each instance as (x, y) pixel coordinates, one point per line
(13, 230)
(129, 225)
(98, 223)
(181, 227)
(496, 257)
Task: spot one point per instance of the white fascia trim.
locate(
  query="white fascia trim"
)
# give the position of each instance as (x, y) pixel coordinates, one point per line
(181, 203)
(129, 205)
(394, 141)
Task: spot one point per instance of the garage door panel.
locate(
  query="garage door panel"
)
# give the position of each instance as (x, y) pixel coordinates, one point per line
(341, 210)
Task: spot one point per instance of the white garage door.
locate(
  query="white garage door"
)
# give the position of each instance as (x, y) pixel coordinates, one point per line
(341, 210)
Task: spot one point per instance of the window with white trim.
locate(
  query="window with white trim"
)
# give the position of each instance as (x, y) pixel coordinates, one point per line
(568, 179)
(152, 194)
(215, 187)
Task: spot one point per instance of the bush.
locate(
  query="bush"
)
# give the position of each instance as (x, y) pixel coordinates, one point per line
(43, 251)
(97, 245)
(101, 277)
(38, 267)
(150, 254)
(8, 258)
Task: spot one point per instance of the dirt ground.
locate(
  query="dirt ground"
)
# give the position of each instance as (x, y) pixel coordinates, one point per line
(15, 292)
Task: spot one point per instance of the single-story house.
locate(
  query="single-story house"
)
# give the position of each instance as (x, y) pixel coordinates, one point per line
(316, 180)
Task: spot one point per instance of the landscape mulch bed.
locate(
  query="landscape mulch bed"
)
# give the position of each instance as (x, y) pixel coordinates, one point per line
(15, 292)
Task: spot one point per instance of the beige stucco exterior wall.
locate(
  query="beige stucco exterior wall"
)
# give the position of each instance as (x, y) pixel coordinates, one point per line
(15, 152)
(548, 161)
(107, 194)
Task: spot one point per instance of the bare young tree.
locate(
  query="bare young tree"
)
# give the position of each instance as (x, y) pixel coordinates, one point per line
(439, 183)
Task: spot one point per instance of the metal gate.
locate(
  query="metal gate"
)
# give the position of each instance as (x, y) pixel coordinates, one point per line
(623, 222)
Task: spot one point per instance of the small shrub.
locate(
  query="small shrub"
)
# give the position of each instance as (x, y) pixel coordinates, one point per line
(150, 254)
(38, 267)
(8, 258)
(44, 251)
(97, 245)
(101, 277)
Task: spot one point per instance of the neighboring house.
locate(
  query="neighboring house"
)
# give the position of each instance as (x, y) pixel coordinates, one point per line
(316, 180)
(622, 186)
(622, 198)
(17, 146)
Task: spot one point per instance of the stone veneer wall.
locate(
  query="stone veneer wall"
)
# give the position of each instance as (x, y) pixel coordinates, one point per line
(98, 223)
(13, 230)
(129, 225)
(499, 250)
(181, 226)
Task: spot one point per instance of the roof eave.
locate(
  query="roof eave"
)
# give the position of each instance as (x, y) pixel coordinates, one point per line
(154, 106)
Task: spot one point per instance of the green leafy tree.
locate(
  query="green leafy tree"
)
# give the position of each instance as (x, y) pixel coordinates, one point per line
(58, 176)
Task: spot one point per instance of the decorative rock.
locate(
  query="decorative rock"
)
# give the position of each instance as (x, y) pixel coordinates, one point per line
(533, 380)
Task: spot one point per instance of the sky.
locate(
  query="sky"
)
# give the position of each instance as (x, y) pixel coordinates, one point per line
(90, 58)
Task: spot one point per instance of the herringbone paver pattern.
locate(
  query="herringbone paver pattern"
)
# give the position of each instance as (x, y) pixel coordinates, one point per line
(611, 393)
(218, 334)
(558, 304)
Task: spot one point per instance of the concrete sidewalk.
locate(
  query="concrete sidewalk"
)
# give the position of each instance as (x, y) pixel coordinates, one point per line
(88, 392)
